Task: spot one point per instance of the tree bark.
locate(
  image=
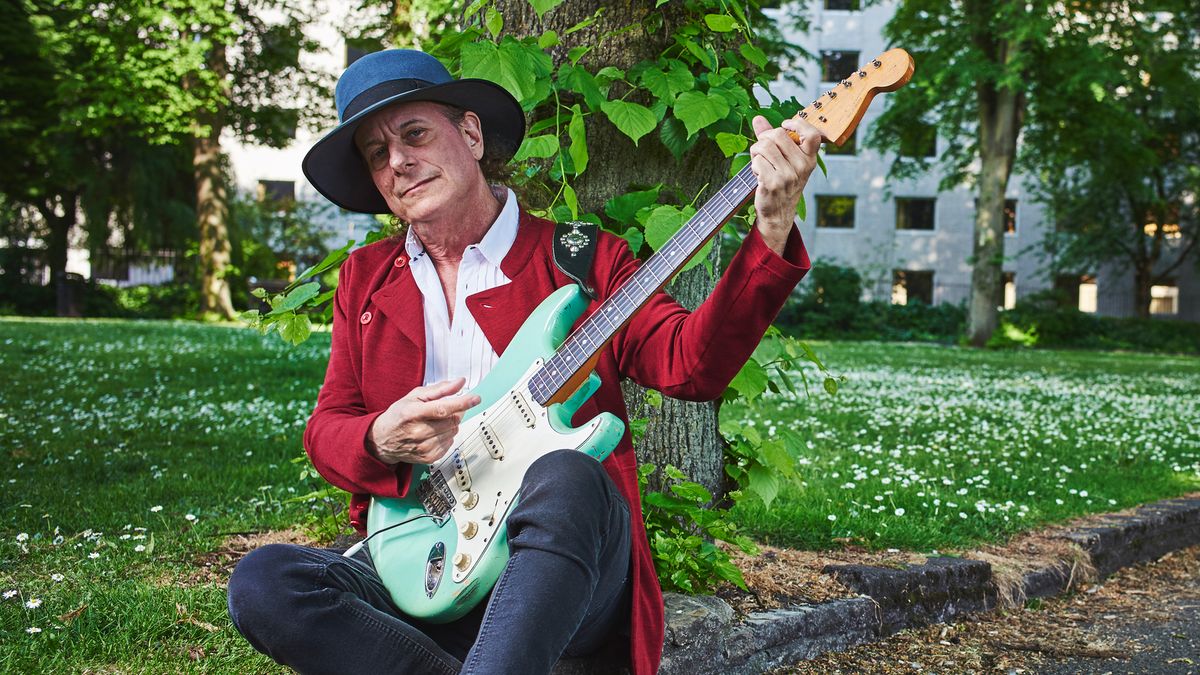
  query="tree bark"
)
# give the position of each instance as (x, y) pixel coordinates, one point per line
(212, 207)
(60, 226)
(680, 433)
(1000, 113)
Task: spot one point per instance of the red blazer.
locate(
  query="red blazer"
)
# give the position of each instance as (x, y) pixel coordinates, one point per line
(378, 356)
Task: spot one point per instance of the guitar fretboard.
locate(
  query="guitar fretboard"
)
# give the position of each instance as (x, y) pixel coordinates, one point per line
(617, 309)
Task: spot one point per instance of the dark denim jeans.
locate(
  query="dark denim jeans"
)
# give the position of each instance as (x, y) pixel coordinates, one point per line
(565, 591)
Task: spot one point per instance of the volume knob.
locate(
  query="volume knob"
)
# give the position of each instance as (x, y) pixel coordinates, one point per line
(462, 561)
(470, 499)
(468, 529)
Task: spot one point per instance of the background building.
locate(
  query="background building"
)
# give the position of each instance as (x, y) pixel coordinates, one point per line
(907, 239)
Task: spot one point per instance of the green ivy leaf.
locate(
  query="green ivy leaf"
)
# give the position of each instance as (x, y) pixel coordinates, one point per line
(675, 138)
(571, 200)
(578, 79)
(751, 380)
(831, 386)
(624, 208)
(721, 23)
(333, 259)
(578, 135)
(731, 144)
(521, 68)
(494, 22)
(697, 110)
(775, 455)
(295, 328)
(635, 238)
(297, 297)
(547, 40)
(654, 399)
(753, 54)
(662, 222)
(542, 146)
(801, 209)
(632, 119)
(543, 6)
(693, 492)
(763, 484)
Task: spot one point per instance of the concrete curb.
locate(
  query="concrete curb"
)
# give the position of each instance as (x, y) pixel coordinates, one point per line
(703, 637)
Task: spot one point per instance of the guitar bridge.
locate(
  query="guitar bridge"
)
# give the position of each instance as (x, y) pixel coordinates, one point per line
(436, 497)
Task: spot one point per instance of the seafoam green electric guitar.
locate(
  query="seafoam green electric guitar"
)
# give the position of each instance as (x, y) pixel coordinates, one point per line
(442, 548)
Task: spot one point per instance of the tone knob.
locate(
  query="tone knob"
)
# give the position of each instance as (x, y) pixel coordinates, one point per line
(462, 561)
(470, 499)
(469, 529)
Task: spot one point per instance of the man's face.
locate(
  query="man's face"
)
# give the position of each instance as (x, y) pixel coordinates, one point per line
(424, 165)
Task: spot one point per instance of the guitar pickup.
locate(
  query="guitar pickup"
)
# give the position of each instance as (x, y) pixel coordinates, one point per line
(491, 442)
(461, 474)
(522, 409)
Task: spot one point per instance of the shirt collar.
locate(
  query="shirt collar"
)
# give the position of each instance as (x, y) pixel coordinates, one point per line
(496, 241)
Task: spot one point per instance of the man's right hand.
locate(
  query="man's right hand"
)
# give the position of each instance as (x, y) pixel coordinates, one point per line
(420, 427)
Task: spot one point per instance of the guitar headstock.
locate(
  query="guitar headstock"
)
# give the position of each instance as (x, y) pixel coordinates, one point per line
(837, 112)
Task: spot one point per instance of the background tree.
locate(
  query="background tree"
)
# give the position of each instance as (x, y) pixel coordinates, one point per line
(974, 80)
(75, 146)
(1117, 150)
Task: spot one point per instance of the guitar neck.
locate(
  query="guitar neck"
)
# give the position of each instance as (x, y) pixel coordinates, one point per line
(580, 348)
(835, 114)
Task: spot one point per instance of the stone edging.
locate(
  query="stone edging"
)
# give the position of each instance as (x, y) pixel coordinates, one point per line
(702, 636)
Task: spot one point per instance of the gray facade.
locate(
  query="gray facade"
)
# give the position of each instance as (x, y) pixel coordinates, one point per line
(878, 249)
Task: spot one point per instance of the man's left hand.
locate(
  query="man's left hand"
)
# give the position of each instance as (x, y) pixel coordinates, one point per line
(782, 168)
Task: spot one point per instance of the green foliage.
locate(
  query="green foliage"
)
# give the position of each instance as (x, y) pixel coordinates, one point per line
(682, 528)
(324, 520)
(757, 463)
(1052, 328)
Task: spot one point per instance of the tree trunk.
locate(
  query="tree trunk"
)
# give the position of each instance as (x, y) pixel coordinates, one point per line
(679, 433)
(212, 208)
(60, 224)
(1143, 279)
(1000, 112)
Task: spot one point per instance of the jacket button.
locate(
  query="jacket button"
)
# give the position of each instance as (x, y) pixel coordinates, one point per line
(365, 318)
(401, 261)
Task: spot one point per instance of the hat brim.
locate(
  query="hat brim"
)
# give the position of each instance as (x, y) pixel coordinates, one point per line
(337, 170)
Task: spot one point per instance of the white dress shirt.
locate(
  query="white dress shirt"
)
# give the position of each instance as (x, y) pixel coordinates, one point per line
(459, 348)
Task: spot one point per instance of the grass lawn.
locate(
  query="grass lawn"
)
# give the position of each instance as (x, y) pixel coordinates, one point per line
(128, 450)
(928, 447)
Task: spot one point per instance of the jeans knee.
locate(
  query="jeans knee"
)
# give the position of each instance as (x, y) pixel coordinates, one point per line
(258, 588)
(570, 491)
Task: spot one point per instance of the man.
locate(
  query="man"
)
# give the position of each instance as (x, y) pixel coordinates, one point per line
(420, 319)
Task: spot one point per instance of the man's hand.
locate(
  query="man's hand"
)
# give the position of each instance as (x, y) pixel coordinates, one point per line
(420, 427)
(782, 168)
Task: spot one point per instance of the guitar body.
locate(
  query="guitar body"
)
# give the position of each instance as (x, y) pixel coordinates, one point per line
(441, 563)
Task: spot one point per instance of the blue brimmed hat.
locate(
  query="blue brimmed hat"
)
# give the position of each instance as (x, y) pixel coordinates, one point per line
(334, 165)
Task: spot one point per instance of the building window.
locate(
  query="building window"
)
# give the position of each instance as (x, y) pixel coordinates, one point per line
(1009, 290)
(837, 66)
(914, 213)
(277, 191)
(1164, 299)
(1077, 291)
(911, 285)
(850, 147)
(920, 140)
(843, 5)
(835, 211)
